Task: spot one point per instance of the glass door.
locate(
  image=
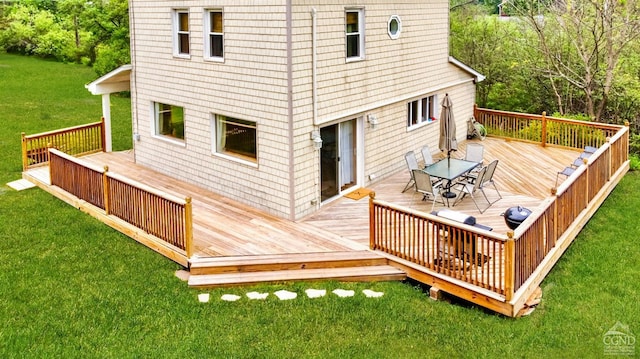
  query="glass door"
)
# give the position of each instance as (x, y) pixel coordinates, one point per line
(337, 158)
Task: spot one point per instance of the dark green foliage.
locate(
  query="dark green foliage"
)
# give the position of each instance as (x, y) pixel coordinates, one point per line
(68, 30)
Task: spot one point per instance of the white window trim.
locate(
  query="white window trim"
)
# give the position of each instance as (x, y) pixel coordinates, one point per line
(399, 30)
(423, 123)
(175, 32)
(214, 144)
(206, 33)
(155, 127)
(361, 32)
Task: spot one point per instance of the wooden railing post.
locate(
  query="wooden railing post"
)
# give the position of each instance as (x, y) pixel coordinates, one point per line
(188, 227)
(25, 160)
(372, 221)
(103, 135)
(50, 166)
(106, 190)
(509, 264)
(544, 129)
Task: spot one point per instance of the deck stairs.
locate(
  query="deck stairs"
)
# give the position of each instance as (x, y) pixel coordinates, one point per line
(353, 266)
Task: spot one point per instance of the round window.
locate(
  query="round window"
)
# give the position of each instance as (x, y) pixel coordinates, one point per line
(394, 27)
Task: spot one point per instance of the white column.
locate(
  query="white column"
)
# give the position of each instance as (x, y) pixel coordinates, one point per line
(106, 113)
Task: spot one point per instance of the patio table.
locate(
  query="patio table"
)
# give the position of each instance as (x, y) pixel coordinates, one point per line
(449, 169)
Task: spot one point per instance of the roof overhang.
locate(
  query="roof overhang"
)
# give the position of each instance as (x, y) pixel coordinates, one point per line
(117, 80)
(478, 76)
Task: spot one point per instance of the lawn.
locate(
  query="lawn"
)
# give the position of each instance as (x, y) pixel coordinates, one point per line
(72, 287)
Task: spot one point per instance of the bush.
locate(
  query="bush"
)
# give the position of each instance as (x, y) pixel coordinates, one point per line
(634, 162)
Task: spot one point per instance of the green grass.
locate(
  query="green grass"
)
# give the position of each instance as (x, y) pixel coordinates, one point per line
(70, 287)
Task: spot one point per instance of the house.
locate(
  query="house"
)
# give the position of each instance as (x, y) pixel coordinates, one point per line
(287, 105)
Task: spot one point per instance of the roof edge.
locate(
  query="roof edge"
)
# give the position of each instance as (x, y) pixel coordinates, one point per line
(479, 77)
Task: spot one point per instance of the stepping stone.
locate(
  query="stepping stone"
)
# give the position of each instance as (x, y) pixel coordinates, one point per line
(256, 295)
(230, 297)
(344, 293)
(372, 294)
(316, 293)
(203, 297)
(285, 295)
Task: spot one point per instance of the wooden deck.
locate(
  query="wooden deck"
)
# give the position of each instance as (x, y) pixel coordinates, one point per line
(252, 246)
(524, 176)
(224, 242)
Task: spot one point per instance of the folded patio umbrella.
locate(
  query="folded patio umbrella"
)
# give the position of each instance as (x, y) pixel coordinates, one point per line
(448, 140)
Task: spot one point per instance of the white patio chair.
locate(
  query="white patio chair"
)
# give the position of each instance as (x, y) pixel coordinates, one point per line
(426, 155)
(425, 186)
(488, 180)
(475, 152)
(470, 188)
(412, 164)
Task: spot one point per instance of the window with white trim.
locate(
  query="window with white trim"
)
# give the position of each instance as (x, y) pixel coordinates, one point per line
(354, 32)
(169, 120)
(236, 138)
(181, 40)
(214, 35)
(421, 111)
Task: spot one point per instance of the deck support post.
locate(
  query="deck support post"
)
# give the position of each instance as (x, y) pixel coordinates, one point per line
(509, 267)
(188, 227)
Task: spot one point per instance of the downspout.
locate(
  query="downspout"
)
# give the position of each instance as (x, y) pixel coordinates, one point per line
(314, 74)
(314, 101)
(292, 180)
(133, 79)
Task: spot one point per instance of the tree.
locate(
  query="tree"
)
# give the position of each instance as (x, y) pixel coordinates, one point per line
(580, 44)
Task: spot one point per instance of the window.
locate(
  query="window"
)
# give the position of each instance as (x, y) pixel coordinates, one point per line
(421, 111)
(169, 121)
(214, 36)
(355, 34)
(236, 138)
(181, 29)
(394, 27)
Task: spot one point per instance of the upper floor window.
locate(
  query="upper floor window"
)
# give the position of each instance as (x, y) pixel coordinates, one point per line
(354, 32)
(235, 137)
(214, 35)
(169, 120)
(181, 33)
(421, 111)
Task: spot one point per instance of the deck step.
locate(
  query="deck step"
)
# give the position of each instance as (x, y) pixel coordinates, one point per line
(281, 262)
(347, 274)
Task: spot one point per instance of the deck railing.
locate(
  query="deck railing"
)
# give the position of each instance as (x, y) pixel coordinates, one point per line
(515, 259)
(78, 140)
(543, 129)
(165, 216)
(456, 250)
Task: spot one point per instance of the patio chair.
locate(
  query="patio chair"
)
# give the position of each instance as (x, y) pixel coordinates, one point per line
(425, 186)
(475, 153)
(470, 188)
(412, 164)
(590, 149)
(426, 155)
(488, 180)
(567, 171)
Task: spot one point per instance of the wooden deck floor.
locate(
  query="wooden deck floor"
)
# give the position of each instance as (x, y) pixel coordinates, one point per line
(524, 176)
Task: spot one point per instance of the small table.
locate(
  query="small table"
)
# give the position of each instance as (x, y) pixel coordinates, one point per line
(449, 169)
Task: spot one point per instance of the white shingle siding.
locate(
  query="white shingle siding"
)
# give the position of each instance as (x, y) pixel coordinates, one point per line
(252, 84)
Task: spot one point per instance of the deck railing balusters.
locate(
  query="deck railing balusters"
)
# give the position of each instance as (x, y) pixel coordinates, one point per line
(164, 216)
